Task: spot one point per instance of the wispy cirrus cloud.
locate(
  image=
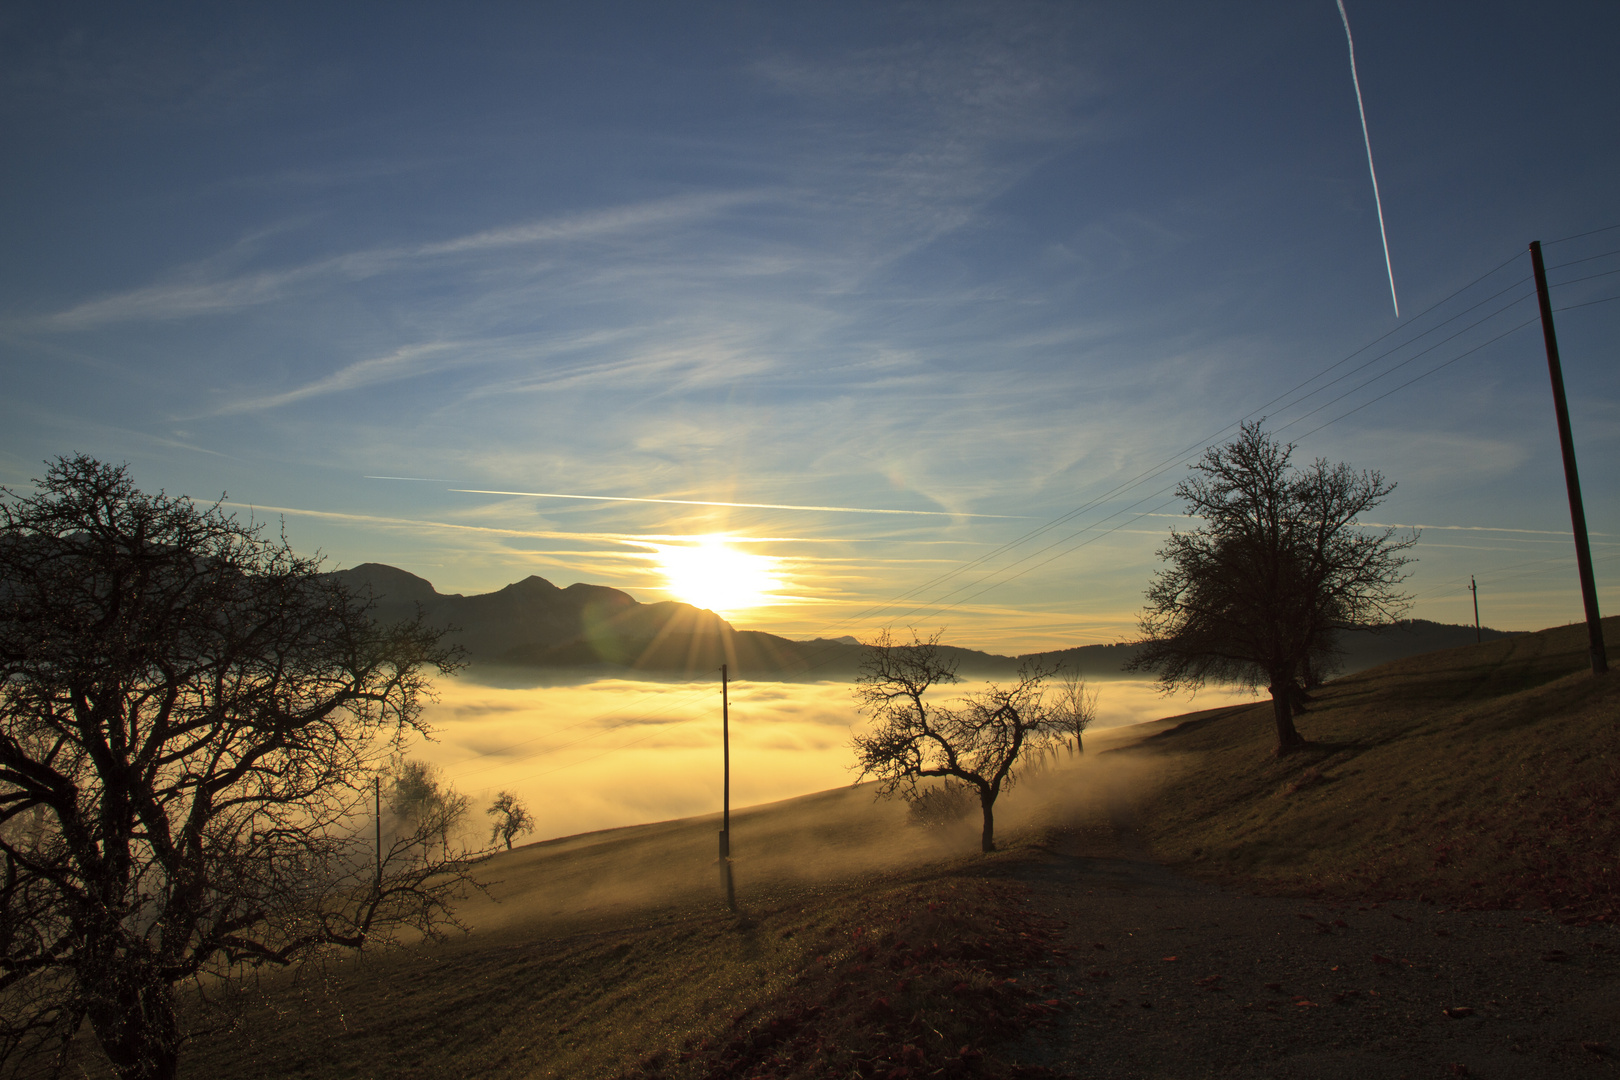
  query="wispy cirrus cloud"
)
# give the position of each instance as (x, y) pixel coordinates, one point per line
(402, 363)
(204, 292)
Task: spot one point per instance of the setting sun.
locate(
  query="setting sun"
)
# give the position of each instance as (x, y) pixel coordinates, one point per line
(710, 573)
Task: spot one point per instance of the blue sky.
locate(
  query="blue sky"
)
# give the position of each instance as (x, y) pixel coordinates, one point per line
(981, 263)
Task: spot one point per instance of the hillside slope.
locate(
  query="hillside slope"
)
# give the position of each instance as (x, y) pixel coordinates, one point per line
(609, 955)
(1485, 775)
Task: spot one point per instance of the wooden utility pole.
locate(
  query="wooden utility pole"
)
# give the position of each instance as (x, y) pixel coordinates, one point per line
(376, 789)
(1475, 590)
(1572, 480)
(725, 812)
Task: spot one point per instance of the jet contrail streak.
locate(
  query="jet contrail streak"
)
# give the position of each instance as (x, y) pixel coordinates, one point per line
(742, 505)
(1354, 78)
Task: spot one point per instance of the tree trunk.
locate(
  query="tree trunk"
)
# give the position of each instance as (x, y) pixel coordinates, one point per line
(1282, 710)
(987, 842)
(138, 1027)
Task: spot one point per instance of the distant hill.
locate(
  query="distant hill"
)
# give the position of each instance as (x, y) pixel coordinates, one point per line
(1359, 649)
(534, 624)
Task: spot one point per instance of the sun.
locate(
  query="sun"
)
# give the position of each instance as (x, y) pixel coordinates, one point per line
(710, 573)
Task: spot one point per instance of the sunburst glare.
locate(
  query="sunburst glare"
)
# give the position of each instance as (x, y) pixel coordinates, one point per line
(710, 573)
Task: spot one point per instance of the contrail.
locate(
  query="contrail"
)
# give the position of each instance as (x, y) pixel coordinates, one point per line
(1374, 172)
(742, 505)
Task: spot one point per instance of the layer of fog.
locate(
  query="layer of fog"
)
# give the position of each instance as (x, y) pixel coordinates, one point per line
(840, 835)
(615, 752)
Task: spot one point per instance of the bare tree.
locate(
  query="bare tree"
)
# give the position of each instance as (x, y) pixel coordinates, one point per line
(1256, 594)
(424, 802)
(1074, 707)
(511, 819)
(978, 743)
(190, 718)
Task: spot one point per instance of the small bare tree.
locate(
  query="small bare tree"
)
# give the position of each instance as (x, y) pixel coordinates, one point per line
(1074, 708)
(424, 802)
(511, 819)
(979, 743)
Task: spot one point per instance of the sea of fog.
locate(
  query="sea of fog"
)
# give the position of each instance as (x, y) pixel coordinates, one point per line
(608, 752)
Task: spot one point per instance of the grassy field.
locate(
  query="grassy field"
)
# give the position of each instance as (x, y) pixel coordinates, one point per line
(865, 945)
(1485, 775)
(860, 945)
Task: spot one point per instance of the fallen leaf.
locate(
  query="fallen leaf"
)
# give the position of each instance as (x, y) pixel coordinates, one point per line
(1457, 1012)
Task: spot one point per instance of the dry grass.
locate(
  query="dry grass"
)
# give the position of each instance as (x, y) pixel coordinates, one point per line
(861, 945)
(1483, 775)
(853, 980)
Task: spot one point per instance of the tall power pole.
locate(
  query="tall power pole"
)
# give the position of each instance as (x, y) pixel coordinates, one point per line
(376, 790)
(725, 812)
(1475, 590)
(1572, 480)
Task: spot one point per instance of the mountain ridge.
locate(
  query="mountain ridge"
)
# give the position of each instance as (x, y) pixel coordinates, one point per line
(535, 624)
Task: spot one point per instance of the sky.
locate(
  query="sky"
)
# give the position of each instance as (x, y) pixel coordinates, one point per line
(911, 282)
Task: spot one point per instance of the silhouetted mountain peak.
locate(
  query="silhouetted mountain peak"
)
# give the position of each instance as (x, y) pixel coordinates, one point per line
(533, 585)
(388, 582)
(603, 595)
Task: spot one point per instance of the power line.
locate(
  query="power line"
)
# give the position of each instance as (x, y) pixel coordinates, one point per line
(1188, 452)
(1388, 371)
(1414, 379)
(1587, 258)
(1577, 236)
(1193, 448)
(1589, 303)
(995, 579)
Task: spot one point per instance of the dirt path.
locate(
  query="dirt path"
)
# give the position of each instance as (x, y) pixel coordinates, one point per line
(1176, 978)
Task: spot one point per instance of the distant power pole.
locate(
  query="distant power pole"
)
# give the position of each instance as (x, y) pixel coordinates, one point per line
(376, 790)
(1572, 480)
(1475, 590)
(725, 813)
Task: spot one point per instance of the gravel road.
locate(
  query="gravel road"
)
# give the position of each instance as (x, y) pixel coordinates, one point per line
(1170, 977)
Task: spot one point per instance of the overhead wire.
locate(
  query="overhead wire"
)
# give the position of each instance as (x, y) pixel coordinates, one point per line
(1579, 235)
(1584, 258)
(1186, 453)
(1000, 576)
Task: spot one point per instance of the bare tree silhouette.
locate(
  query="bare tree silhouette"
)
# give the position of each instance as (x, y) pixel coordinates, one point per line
(1281, 561)
(978, 743)
(188, 720)
(511, 819)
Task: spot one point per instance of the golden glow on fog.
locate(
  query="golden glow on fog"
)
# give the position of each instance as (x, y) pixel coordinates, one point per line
(710, 573)
(612, 752)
